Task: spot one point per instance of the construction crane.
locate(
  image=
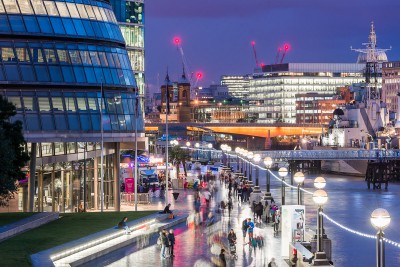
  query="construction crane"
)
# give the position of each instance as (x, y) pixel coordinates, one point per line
(253, 44)
(278, 54)
(285, 49)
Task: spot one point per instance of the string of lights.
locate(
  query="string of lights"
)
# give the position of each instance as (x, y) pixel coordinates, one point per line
(391, 242)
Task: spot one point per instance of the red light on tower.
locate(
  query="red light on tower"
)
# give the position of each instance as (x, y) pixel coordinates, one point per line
(177, 40)
(253, 43)
(286, 47)
(199, 75)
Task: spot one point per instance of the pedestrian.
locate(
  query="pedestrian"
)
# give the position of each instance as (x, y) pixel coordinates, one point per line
(272, 263)
(231, 237)
(162, 241)
(239, 194)
(250, 229)
(259, 211)
(122, 224)
(230, 206)
(276, 221)
(267, 211)
(171, 239)
(165, 242)
(244, 229)
(222, 259)
(235, 188)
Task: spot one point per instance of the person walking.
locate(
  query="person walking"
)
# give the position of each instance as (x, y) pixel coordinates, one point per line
(259, 212)
(164, 243)
(244, 229)
(171, 239)
(276, 221)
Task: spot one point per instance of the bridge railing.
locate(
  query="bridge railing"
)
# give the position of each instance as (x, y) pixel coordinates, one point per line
(361, 154)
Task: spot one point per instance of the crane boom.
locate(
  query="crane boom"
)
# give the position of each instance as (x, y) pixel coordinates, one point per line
(253, 44)
(277, 55)
(285, 49)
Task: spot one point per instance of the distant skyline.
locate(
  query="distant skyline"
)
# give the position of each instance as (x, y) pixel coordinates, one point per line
(217, 34)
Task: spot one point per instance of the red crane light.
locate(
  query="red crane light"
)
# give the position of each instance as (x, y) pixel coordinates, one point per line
(253, 43)
(199, 75)
(286, 46)
(177, 40)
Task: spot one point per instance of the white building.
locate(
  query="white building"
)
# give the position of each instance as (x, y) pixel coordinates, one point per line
(237, 85)
(272, 92)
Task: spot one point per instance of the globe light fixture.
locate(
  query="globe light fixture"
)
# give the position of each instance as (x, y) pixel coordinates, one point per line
(283, 172)
(320, 197)
(209, 145)
(380, 219)
(268, 164)
(319, 182)
(299, 179)
(188, 144)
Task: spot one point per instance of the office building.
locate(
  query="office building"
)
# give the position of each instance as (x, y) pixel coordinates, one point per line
(237, 85)
(391, 84)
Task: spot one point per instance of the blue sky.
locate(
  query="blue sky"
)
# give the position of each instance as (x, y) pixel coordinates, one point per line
(216, 34)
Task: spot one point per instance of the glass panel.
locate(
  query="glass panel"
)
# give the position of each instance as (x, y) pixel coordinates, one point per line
(29, 103)
(103, 59)
(95, 122)
(25, 7)
(110, 60)
(42, 74)
(92, 103)
(128, 122)
(97, 13)
(95, 58)
(7, 54)
(37, 55)
(62, 8)
(73, 10)
(88, 28)
(69, 26)
(57, 104)
(55, 74)
(47, 122)
(122, 123)
(107, 76)
(17, 25)
(99, 75)
(85, 58)
(31, 24)
(4, 26)
(44, 24)
(22, 54)
(75, 58)
(51, 8)
(38, 7)
(58, 148)
(106, 123)
(91, 78)
(2, 10)
(57, 25)
(61, 123)
(27, 73)
(81, 103)
(85, 122)
(16, 101)
(116, 60)
(80, 30)
(103, 14)
(73, 121)
(44, 103)
(11, 72)
(82, 11)
(50, 55)
(96, 28)
(90, 12)
(11, 6)
(63, 56)
(114, 122)
(79, 74)
(70, 104)
(32, 122)
(68, 74)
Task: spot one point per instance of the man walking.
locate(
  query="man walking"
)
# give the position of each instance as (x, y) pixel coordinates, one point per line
(244, 230)
(250, 229)
(171, 239)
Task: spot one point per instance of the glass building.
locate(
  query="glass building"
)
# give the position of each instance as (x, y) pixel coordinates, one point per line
(130, 17)
(65, 67)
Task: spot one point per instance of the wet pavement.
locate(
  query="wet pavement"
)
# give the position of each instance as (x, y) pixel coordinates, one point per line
(350, 203)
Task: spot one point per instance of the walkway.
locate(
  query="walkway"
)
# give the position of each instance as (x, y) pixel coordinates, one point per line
(192, 246)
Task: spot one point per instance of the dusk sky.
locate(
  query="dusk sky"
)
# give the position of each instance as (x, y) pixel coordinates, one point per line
(216, 34)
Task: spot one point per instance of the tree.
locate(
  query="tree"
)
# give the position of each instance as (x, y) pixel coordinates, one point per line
(12, 157)
(179, 155)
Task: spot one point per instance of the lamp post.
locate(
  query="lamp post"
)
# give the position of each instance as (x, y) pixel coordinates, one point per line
(209, 147)
(228, 149)
(244, 154)
(283, 172)
(320, 197)
(299, 179)
(197, 145)
(250, 156)
(237, 151)
(380, 219)
(268, 164)
(257, 159)
(320, 183)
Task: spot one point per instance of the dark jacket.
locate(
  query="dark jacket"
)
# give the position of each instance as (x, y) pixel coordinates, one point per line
(171, 239)
(164, 239)
(231, 238)
(222, 259)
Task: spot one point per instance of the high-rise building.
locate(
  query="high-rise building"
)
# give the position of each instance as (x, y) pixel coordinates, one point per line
(65, 67)
(391, 84)
(237, 85)
(130, 16)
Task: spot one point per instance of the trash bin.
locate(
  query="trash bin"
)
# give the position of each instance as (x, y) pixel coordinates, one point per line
(176, 195)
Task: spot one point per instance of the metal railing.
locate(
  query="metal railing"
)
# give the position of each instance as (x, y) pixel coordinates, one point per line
(129, 198)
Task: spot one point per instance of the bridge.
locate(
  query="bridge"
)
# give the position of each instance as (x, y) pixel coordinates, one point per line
(251, 129)
(361, 154)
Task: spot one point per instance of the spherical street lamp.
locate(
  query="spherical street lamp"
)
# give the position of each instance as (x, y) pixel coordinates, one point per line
(299, 179)
(380, 219)
(283, 172)
(268, 164)
(319, 182)
(197, 145)
(188, 144)
(257, 159)
(320, 197)
(209, 145)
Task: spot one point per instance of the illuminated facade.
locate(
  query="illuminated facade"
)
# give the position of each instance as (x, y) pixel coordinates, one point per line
(237, 85)
(391, 84)
(65, 67)
(272, 92)
(131, 18)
